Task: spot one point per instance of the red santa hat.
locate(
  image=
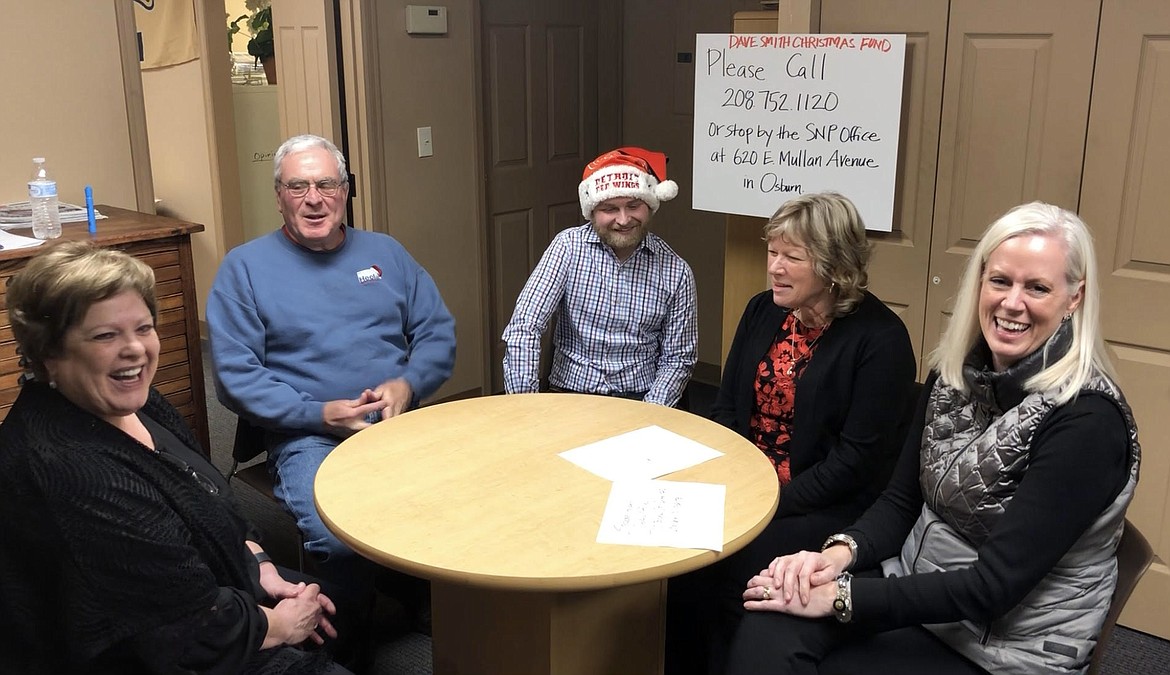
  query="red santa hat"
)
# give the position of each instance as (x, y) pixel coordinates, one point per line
(626, 172)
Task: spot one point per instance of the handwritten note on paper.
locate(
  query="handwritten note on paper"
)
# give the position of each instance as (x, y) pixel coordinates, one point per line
(778, 116)
(641, 454)
(664, 513)
(9, 241)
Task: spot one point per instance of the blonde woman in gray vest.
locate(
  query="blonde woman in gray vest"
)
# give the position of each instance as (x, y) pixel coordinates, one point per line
(993, 550)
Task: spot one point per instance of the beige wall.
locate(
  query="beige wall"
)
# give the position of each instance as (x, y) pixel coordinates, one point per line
(434, 203)
(186, 134)
(75, 115)
(659, 114)
(176, 122)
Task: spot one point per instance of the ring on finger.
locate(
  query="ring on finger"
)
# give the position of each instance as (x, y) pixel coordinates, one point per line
(767, 592)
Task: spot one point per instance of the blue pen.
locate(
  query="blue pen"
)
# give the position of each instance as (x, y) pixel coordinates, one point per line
(89, 209)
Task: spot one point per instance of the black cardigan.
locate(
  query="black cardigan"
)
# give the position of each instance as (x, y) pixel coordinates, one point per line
(849, 404)
(114, 560)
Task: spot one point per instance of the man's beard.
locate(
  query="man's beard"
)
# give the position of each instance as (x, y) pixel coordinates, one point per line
(623, 240)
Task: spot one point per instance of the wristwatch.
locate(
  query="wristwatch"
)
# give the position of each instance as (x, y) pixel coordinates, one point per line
(842, 539)
(843, 603)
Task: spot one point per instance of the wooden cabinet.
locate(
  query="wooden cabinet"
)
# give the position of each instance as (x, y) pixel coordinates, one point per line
(164, 244)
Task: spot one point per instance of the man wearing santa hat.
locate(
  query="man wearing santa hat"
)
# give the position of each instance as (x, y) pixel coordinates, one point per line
(627, 323)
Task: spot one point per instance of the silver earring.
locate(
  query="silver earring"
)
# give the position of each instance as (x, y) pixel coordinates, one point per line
(52, 384)
(1067, 317)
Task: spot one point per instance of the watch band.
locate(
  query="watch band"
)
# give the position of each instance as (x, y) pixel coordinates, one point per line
(843, 603)
(843, 539)
(262, 558)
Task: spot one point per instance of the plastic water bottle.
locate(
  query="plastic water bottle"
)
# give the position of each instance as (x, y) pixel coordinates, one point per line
(42, 197)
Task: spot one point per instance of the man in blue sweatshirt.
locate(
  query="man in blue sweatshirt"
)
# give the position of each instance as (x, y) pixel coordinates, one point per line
(319, 330)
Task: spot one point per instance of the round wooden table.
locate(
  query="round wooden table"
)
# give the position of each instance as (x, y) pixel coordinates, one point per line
(472, 495)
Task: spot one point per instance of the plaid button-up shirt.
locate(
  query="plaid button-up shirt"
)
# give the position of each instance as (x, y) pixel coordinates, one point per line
(621, 326)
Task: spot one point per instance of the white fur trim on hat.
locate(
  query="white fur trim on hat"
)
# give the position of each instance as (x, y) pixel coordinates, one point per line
(623, 180)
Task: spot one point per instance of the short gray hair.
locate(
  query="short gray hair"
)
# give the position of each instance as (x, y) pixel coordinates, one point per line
(302, 143)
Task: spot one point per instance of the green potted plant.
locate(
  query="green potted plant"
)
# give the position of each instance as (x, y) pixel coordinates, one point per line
(260, 45)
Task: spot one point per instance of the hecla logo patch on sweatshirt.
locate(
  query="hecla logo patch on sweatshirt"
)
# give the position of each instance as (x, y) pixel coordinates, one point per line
(369, 275)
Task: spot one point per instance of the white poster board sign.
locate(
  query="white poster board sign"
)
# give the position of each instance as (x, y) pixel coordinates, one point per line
(778, 116)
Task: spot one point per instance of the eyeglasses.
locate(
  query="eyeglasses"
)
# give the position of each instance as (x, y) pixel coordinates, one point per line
(203, 481)
(299, 188)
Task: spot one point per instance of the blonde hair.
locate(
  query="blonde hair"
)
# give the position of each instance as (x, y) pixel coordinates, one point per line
(1068, 374)
(829, 226)
(57, 287)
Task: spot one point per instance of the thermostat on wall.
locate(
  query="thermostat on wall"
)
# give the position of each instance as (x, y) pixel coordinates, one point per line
(426, 20)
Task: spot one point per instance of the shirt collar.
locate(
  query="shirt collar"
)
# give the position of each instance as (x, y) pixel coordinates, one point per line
(296, 244)
(1005, 389)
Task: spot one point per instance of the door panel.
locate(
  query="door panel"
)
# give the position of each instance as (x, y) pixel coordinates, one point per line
(540, 92)
(1124, 201)
(306, 67)
(897, 273)
(1014, 116)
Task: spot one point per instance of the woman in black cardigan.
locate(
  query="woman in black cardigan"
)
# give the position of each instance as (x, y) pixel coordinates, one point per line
(122, 551)
(818, 378)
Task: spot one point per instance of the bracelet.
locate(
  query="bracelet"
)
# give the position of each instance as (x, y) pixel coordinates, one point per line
(843, 603)
(843, 539)
(262, 558)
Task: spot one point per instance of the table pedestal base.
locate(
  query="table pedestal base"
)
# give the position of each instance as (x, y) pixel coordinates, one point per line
(478, 631)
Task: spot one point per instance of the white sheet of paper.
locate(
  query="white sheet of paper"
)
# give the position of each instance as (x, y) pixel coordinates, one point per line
(641, 454)
(664, 513)
(9, 241)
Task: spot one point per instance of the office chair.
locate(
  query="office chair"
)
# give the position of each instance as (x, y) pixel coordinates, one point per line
(248, 445)
(1134, 556)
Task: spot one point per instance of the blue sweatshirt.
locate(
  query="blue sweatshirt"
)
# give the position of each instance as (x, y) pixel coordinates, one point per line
(292, 329)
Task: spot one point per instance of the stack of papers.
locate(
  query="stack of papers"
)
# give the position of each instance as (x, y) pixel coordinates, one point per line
(19, 214)
(642, 511)
(12, 241)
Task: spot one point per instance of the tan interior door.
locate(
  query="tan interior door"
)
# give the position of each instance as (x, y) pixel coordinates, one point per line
(1014, 116)
(1124, 199)
(306, 68)
(540, 121)
(897, 271)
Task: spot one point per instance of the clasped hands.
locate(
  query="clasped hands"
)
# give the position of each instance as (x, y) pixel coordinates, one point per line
(301, 609)
(801, 584)
(347, 417)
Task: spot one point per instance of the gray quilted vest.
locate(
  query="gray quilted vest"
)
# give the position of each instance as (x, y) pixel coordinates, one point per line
(969, 447)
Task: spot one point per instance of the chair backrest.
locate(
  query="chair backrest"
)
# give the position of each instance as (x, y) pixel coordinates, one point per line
(1134, 556)
(249, 442)
(910, 405)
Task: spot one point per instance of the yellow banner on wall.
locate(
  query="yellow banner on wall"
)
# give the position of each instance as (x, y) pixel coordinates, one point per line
(168, 30)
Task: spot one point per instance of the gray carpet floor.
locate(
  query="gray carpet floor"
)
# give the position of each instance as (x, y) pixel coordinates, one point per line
(403, 652)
